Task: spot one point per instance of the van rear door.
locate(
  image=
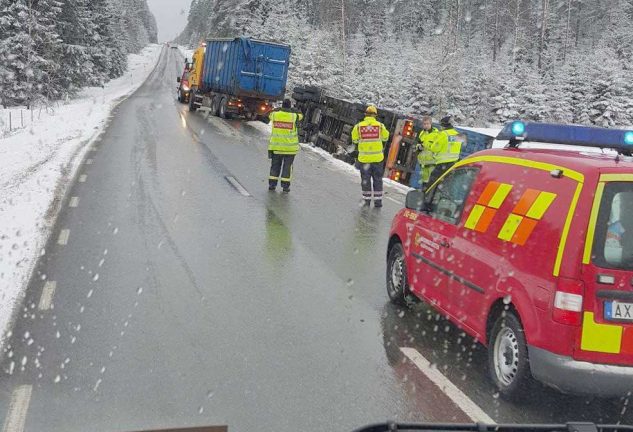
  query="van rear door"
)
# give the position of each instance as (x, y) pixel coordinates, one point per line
(606, 334)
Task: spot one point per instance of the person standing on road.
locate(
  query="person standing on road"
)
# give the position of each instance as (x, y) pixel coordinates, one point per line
(449, 148)
(283, 145)
(370, 135)
(428, 148)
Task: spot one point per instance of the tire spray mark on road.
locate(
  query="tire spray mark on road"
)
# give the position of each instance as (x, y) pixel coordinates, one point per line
(16, 417)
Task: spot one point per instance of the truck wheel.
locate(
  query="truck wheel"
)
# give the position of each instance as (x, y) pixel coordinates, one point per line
(222, 108)
(397, 284)
(508, 357)
(192, 99)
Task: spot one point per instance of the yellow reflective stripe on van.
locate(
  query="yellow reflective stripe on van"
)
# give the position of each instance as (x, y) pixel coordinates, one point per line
(616, 177)
(593, 219)
(474, 216)
(602, 338)
(510, 226)
(540, 206)
(563, 237)
(500, 195)
(574, 175)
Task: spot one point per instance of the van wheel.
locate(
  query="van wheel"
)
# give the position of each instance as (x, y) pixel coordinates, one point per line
(508, 357)
(222, 111)
(397, 284)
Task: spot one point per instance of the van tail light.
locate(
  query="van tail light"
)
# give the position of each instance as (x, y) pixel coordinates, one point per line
(568, 302)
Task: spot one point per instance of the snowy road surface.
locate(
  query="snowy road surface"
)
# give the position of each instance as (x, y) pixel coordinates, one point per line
(173, 299)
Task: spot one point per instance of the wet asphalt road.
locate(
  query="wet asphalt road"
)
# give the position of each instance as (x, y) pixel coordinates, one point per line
(180, 302)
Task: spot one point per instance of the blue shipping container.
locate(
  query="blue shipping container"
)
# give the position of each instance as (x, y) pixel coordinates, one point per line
(244, 67)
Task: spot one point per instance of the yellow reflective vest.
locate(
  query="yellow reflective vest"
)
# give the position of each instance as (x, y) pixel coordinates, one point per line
(284, 138)
(369, 136)
(429, 146)
(450, 146)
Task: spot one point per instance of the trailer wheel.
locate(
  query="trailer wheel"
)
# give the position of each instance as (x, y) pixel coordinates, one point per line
(222, 108)
(214, 105)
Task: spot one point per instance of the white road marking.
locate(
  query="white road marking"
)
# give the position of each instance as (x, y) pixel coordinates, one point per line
(63, 237)
(82, 178)
(16, 417)
(47, 295)
(470, 408)
(237, 186)
(394, 200)
(89, 161)
(74, 202)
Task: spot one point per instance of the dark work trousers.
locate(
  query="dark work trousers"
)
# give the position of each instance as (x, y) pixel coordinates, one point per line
(371, 179)
(439, 170)
(280, 169)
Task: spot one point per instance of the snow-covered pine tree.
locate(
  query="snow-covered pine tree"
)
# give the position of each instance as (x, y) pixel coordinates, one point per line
(109, 54)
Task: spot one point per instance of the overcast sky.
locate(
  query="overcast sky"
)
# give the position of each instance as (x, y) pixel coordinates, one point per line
(171, 16)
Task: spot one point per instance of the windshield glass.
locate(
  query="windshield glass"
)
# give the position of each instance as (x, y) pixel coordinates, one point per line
(613, 243)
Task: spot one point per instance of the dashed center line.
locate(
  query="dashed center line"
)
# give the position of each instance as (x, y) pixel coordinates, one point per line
(63, 237)
(19, 405)
(82, 178)
(89, 161)
(47, 295)
(74, 202)
(237, 186)
(470, 408)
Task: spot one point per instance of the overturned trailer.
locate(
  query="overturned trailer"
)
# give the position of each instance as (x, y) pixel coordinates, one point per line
(328, 123)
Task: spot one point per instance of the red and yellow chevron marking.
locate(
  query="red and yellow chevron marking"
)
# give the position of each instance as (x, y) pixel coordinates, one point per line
(487, 205)
(526, 214)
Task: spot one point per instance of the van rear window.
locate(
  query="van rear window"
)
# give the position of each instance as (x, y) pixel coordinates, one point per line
(613, 242)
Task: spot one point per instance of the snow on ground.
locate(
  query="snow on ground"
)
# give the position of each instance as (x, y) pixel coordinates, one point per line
(36, 165)
(186, 53)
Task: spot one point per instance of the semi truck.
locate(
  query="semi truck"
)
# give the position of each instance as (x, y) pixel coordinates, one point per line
(239, 77)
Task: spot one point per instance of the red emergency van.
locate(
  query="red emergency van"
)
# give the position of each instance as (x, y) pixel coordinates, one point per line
(530, 251)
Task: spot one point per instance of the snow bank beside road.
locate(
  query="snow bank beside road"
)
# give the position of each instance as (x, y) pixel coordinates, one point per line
(36, 166)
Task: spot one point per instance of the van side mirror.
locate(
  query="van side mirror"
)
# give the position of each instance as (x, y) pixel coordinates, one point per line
(177, 79)
(415, 200)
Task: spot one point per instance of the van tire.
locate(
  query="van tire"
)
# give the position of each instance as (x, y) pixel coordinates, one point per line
(508, 361)
(397, 283)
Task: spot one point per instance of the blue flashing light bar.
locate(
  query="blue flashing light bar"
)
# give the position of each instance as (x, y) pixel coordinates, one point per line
(585, 136)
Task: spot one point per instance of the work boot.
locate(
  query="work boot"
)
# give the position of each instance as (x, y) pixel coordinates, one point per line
(286, 189)
(378, 203)
(367, 203)
(272, 188)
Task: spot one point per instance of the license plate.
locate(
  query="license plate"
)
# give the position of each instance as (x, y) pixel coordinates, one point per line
(618, 311)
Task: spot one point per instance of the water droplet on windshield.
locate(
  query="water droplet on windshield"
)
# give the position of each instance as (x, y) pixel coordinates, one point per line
(200, 410)
(350, 282)
(95, 277)
(139, 291)
(57, 379)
